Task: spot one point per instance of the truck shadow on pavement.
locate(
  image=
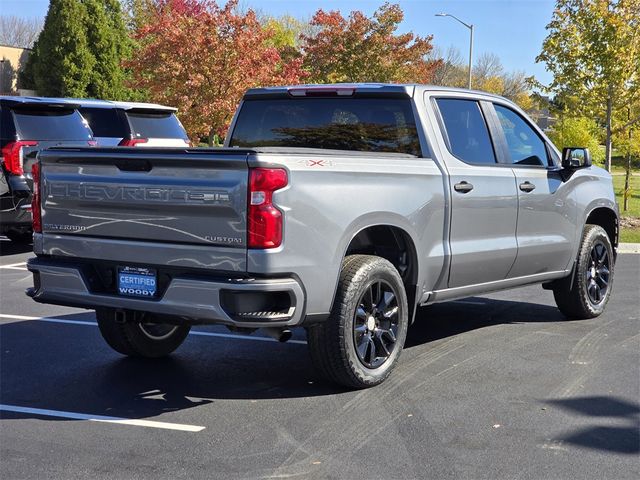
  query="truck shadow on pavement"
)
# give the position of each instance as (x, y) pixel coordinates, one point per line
(623, 439)
(443, 320)
(69, 367)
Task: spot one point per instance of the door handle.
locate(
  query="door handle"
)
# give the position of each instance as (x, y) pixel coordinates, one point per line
(527, 187)
(463, 187)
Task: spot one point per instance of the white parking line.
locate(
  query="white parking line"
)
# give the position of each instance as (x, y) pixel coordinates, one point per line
(15, 266)
(101, 418)
(192, 332)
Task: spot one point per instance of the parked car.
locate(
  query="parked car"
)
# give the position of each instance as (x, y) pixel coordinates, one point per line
(28, 125)
(338, 208)
(132, 124)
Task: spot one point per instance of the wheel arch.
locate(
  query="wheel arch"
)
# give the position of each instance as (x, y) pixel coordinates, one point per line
(393, 243)
(606, 218)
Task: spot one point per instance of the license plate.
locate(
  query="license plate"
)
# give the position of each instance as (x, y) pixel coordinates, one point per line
(137, 282)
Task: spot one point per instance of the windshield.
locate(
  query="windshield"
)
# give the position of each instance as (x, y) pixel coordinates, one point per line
(358, 124)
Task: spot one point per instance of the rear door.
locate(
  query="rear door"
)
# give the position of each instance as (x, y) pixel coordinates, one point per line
(546, 214)
(144, 195)
(484, 203)
(159, 128)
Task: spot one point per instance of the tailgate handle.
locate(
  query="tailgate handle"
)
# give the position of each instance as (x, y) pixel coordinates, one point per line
(133, 165)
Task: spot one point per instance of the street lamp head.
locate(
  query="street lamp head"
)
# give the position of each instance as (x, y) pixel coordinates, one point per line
(442, 14)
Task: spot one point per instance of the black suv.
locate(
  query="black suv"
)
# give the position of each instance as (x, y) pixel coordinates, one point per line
(28, 125)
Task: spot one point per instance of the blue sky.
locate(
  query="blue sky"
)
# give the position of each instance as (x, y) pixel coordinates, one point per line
(512, 29)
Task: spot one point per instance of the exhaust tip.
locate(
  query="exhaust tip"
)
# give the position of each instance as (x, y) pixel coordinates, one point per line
(280, 334)
(285, 335)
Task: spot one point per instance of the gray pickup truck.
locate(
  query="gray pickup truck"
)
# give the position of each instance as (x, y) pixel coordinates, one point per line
(337, 208)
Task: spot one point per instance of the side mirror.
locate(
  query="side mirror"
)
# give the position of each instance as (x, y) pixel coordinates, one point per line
(575, 157)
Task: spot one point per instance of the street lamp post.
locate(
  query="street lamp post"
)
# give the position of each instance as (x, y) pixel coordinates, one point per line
(470, 27)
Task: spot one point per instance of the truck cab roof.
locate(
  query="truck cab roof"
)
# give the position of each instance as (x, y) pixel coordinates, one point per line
(357, 89)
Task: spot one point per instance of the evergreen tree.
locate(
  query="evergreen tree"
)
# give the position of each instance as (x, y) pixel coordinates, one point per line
(109, 43)
(62, 62)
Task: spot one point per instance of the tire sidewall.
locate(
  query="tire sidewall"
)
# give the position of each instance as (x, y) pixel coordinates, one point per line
(593, 236)
(377, 270)
(129, 339)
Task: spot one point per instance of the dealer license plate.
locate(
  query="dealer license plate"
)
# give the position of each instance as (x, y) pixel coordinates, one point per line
(137, 282)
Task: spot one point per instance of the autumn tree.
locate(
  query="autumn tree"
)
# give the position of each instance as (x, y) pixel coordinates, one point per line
(593, 52)
(488, 75)
(451, 67)
(201, 57)
(365, 49)
(285, 35)
(577, 132)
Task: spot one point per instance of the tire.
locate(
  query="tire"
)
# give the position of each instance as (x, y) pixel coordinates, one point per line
(361, 325)
(19, 236)
(587, 295)
(136, 338)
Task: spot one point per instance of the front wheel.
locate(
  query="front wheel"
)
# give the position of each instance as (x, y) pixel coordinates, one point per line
(590, 290)
(360, 342)
(140, 335)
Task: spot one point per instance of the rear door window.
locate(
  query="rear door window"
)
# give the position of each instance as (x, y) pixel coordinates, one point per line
(155, 125)
(59, 124)
(105, 122)
(466, 131)
(356, 124)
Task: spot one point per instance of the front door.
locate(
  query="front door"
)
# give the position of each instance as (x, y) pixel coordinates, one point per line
(547, 213)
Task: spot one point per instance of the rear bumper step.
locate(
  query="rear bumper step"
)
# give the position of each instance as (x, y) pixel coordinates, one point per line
(250, 303)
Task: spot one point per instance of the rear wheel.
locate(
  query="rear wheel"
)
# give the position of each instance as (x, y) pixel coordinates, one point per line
(588, 294)
(19, 236)
(360, 342)
(140, 335)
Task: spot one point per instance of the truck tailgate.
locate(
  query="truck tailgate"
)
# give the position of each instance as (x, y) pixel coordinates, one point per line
(161, 196)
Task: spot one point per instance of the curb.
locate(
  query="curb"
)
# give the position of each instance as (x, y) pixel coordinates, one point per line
(629, 248)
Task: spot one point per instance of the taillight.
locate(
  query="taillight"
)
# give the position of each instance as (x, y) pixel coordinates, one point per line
(92, 143)
(132, 142)
(264, 219)
(13, 157)
(36, 212)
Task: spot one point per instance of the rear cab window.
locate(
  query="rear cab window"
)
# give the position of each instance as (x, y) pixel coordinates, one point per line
(105, 122)
(155, 124)
(352, 124)
(466, 131)
(55, 124)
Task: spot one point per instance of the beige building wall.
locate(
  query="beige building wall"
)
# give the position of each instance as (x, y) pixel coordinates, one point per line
(12, 60)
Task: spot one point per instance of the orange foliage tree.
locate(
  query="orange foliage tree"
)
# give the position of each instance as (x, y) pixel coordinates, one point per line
(200, 57)
(366, 49)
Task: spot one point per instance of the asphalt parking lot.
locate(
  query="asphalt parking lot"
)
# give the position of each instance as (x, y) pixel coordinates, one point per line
(499, 386)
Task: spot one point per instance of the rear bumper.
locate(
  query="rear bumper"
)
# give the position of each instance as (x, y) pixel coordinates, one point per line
(196, 300)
